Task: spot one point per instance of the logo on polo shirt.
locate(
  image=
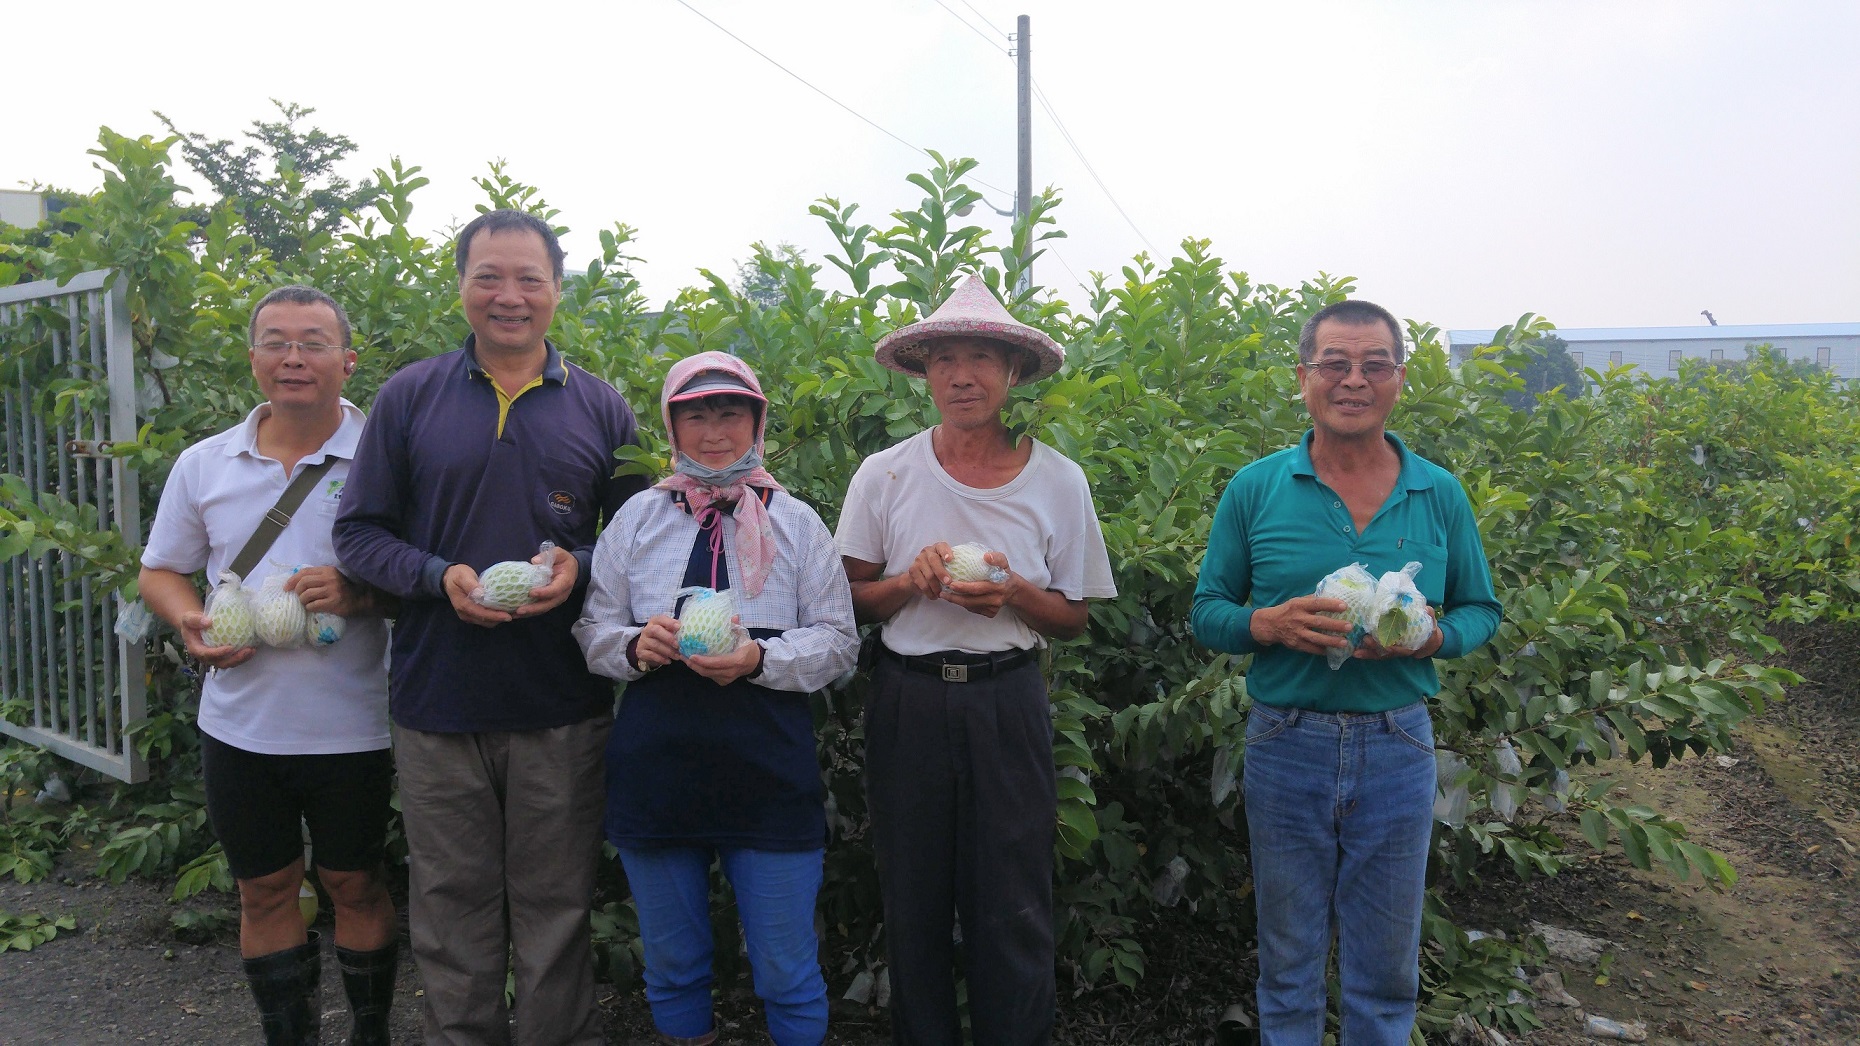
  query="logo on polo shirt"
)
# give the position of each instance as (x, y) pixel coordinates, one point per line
(332, 491)
(562, 502)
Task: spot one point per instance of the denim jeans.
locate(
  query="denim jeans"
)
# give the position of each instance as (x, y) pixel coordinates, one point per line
(1340, 812)
(775, 892)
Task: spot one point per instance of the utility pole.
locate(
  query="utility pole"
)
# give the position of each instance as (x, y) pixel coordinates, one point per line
(1023, 192)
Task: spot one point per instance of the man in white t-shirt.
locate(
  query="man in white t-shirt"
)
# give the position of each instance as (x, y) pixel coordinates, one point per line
(288, 734)
(959, 759)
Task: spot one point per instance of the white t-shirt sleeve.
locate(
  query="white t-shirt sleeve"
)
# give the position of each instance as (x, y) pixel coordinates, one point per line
(861, 533)
(1080, 566)
(178, 537)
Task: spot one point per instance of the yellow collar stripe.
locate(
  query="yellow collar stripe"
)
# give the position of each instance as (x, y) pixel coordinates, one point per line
(504, 401)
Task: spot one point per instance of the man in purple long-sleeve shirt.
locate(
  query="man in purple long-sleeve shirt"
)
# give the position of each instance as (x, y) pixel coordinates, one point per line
(471, 458)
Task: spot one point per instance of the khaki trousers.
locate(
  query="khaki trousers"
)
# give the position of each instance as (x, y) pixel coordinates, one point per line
(503, 832)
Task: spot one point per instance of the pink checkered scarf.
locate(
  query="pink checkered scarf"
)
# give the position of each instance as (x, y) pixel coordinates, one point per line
(755, 534)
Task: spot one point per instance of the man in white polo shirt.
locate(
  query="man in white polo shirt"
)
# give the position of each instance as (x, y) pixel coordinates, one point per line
(288, 734)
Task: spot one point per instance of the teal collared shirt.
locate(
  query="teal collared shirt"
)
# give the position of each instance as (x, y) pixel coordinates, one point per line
(1279, 530)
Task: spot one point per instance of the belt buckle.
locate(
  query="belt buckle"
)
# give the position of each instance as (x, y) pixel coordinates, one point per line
(955, 673)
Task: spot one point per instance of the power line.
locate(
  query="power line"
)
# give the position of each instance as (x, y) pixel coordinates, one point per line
(1054, 251)
(995, 46)
(965, 24)
(1068, 267)
(1047, 104)
(983, 17)
(868, 120)
(876, 126)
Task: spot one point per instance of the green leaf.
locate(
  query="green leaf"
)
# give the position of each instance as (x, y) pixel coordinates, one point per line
(1595, 828)
(1634, 845)
(1074, 789)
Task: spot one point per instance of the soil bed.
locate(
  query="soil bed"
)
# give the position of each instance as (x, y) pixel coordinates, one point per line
(1772, 959)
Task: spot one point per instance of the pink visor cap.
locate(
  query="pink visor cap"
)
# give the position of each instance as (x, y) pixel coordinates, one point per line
(710, 374)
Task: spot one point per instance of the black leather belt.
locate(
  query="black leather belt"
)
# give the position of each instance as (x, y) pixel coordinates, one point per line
(959, 666)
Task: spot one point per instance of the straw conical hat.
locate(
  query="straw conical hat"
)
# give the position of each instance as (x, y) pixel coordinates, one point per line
(971, 312)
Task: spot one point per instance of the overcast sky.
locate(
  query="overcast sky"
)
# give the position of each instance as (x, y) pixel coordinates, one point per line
(1601, 163)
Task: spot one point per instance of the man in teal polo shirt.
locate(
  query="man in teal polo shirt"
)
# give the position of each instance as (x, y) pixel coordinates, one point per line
(1340, 771)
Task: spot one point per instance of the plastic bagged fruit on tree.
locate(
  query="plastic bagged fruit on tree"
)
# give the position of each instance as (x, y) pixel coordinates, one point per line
(1504, 796)
(966, 564)
(506, 586)
(1557, 801)
(134, 620)
(1609, 737)
(229, 613)
(1167, 888)
(1451, 796)
(707, 622)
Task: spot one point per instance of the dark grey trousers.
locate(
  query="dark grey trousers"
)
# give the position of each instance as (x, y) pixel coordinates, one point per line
(959, 777)
(504, 830)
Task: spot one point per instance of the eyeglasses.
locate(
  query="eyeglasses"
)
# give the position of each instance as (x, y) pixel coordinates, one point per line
(1377, 371)
(313, 349)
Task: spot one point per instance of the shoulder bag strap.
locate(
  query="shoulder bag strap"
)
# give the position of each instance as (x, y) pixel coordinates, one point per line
(278, 516)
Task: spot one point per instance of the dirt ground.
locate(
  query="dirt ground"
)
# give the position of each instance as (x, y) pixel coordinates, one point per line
(122, 977)
(1774, 959)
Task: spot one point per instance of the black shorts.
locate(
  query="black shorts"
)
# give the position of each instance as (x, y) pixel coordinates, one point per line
(256, 803)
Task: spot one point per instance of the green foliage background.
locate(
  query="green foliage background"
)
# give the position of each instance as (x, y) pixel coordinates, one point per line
(1550, 367)
(1642, 537)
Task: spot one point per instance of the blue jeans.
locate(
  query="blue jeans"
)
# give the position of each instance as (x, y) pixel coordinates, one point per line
(775, 892)
(1340, 812)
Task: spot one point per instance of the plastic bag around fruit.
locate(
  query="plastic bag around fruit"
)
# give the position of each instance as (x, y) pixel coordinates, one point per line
(1403, 619)
(278, 616)
(1558, 800)
(1451, 796)
(707, 624)
(966, 564)
(1170, 884)
(134, 620)
(1609, 737)
(506, 586)
(229, 613)
(1503, 797)
(1357, 588)
(320, 629)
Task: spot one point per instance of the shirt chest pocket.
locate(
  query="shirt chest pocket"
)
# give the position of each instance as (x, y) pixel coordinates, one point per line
(325, 502)
(1432, 580)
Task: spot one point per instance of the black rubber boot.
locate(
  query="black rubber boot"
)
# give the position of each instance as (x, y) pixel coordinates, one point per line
(368, 978)
(285, 984)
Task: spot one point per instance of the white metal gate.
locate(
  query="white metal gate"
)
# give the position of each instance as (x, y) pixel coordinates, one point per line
(80, 683)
